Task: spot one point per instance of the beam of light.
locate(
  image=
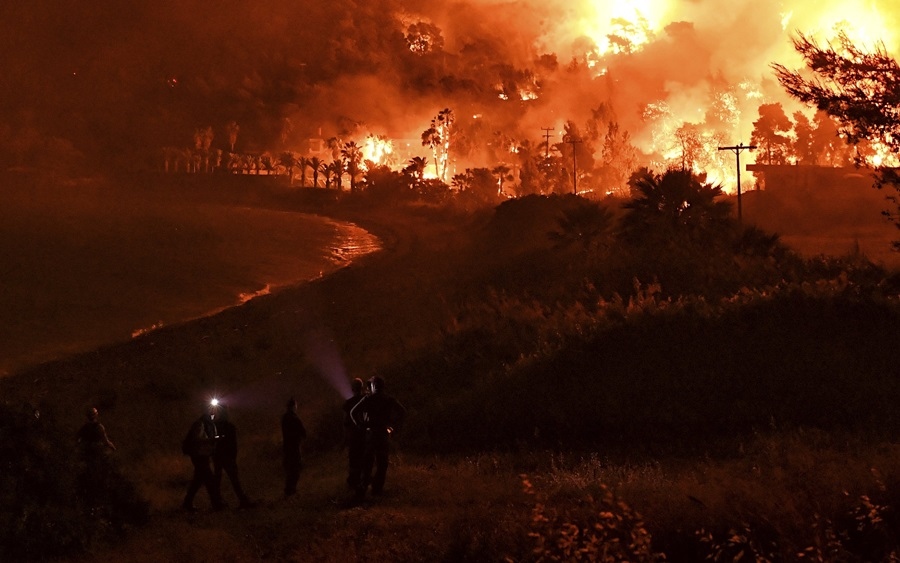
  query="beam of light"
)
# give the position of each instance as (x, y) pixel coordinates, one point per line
(322, 351)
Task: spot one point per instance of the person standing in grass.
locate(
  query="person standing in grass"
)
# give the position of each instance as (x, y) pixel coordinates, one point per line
(354, 436)
(292, 433)
(225, 456)
(379, 414)
(200, 444)
(92, 436)
(98, 468)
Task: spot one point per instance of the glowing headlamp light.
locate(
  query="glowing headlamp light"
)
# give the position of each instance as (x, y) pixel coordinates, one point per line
(214, 403)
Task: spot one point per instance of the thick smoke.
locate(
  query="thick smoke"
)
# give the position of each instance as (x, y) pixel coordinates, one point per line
(102, 80)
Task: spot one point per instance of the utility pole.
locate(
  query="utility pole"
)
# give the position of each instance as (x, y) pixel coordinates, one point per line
(573, 141)
(737, 149)
(546, 131)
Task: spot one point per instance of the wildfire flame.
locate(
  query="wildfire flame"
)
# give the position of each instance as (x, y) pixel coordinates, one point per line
(617, 27)
(377, 149)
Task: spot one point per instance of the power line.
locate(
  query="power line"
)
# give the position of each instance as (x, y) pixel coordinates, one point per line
(547, 131)
(737, 149)
(573, 141)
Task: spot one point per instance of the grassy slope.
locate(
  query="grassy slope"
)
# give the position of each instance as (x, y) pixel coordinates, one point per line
(375, 313)
(256, 356)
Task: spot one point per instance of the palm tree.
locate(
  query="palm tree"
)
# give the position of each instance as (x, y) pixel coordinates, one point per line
(437, 138)
(232, 128)
(325, 169)
(288, 161)
(303, 162)
(503, 173)
(315, 163)
(417, 166)
(675, 204)
(586, 224)
(334, 143)
(415, 171)
(328, 173)
(352, 155)
(337, 169)
(431, 138)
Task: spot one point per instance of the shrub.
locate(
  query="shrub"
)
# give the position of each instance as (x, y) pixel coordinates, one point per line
(605, 529)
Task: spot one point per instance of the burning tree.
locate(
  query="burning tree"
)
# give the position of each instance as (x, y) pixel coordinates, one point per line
(618, 159)
(576, 151)
(437, 138)
(424, 37)
(861, 89)
(687, 138)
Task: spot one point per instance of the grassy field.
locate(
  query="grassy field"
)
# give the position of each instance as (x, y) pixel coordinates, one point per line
(537, 427)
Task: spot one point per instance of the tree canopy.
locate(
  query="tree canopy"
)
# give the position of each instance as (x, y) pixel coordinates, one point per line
(861, 89)
(858, 87)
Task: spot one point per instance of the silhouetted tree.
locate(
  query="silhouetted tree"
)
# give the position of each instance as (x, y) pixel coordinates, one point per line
(805, 132)
(232, 129)
(574, 143)
(336, 171)
(476, 185)
(530, 177)
(618, 158)
(316, 164)
(416, 171)
(287, 160)
(586, 225)
(770, 133)
(689, 143)
(830, 149)
(303, 162)
(387, 185)
(676, 205)
(327, 171)
(861, 89)
(352, 156)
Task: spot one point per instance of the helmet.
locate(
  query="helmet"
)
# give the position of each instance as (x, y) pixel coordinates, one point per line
(377, 384)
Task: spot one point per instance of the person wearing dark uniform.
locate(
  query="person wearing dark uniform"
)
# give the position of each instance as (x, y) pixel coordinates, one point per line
(225, 456)
(354, 436)
(379, 414)
(292, 433)
(98, 468)
(92, 436)
(200, 445)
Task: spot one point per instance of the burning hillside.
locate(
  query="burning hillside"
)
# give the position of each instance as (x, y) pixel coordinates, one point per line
(646, 82)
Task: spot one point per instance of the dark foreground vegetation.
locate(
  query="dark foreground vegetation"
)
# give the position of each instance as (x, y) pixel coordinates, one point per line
(622, 381)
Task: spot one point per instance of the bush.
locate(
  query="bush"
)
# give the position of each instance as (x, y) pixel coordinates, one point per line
(604, 529)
